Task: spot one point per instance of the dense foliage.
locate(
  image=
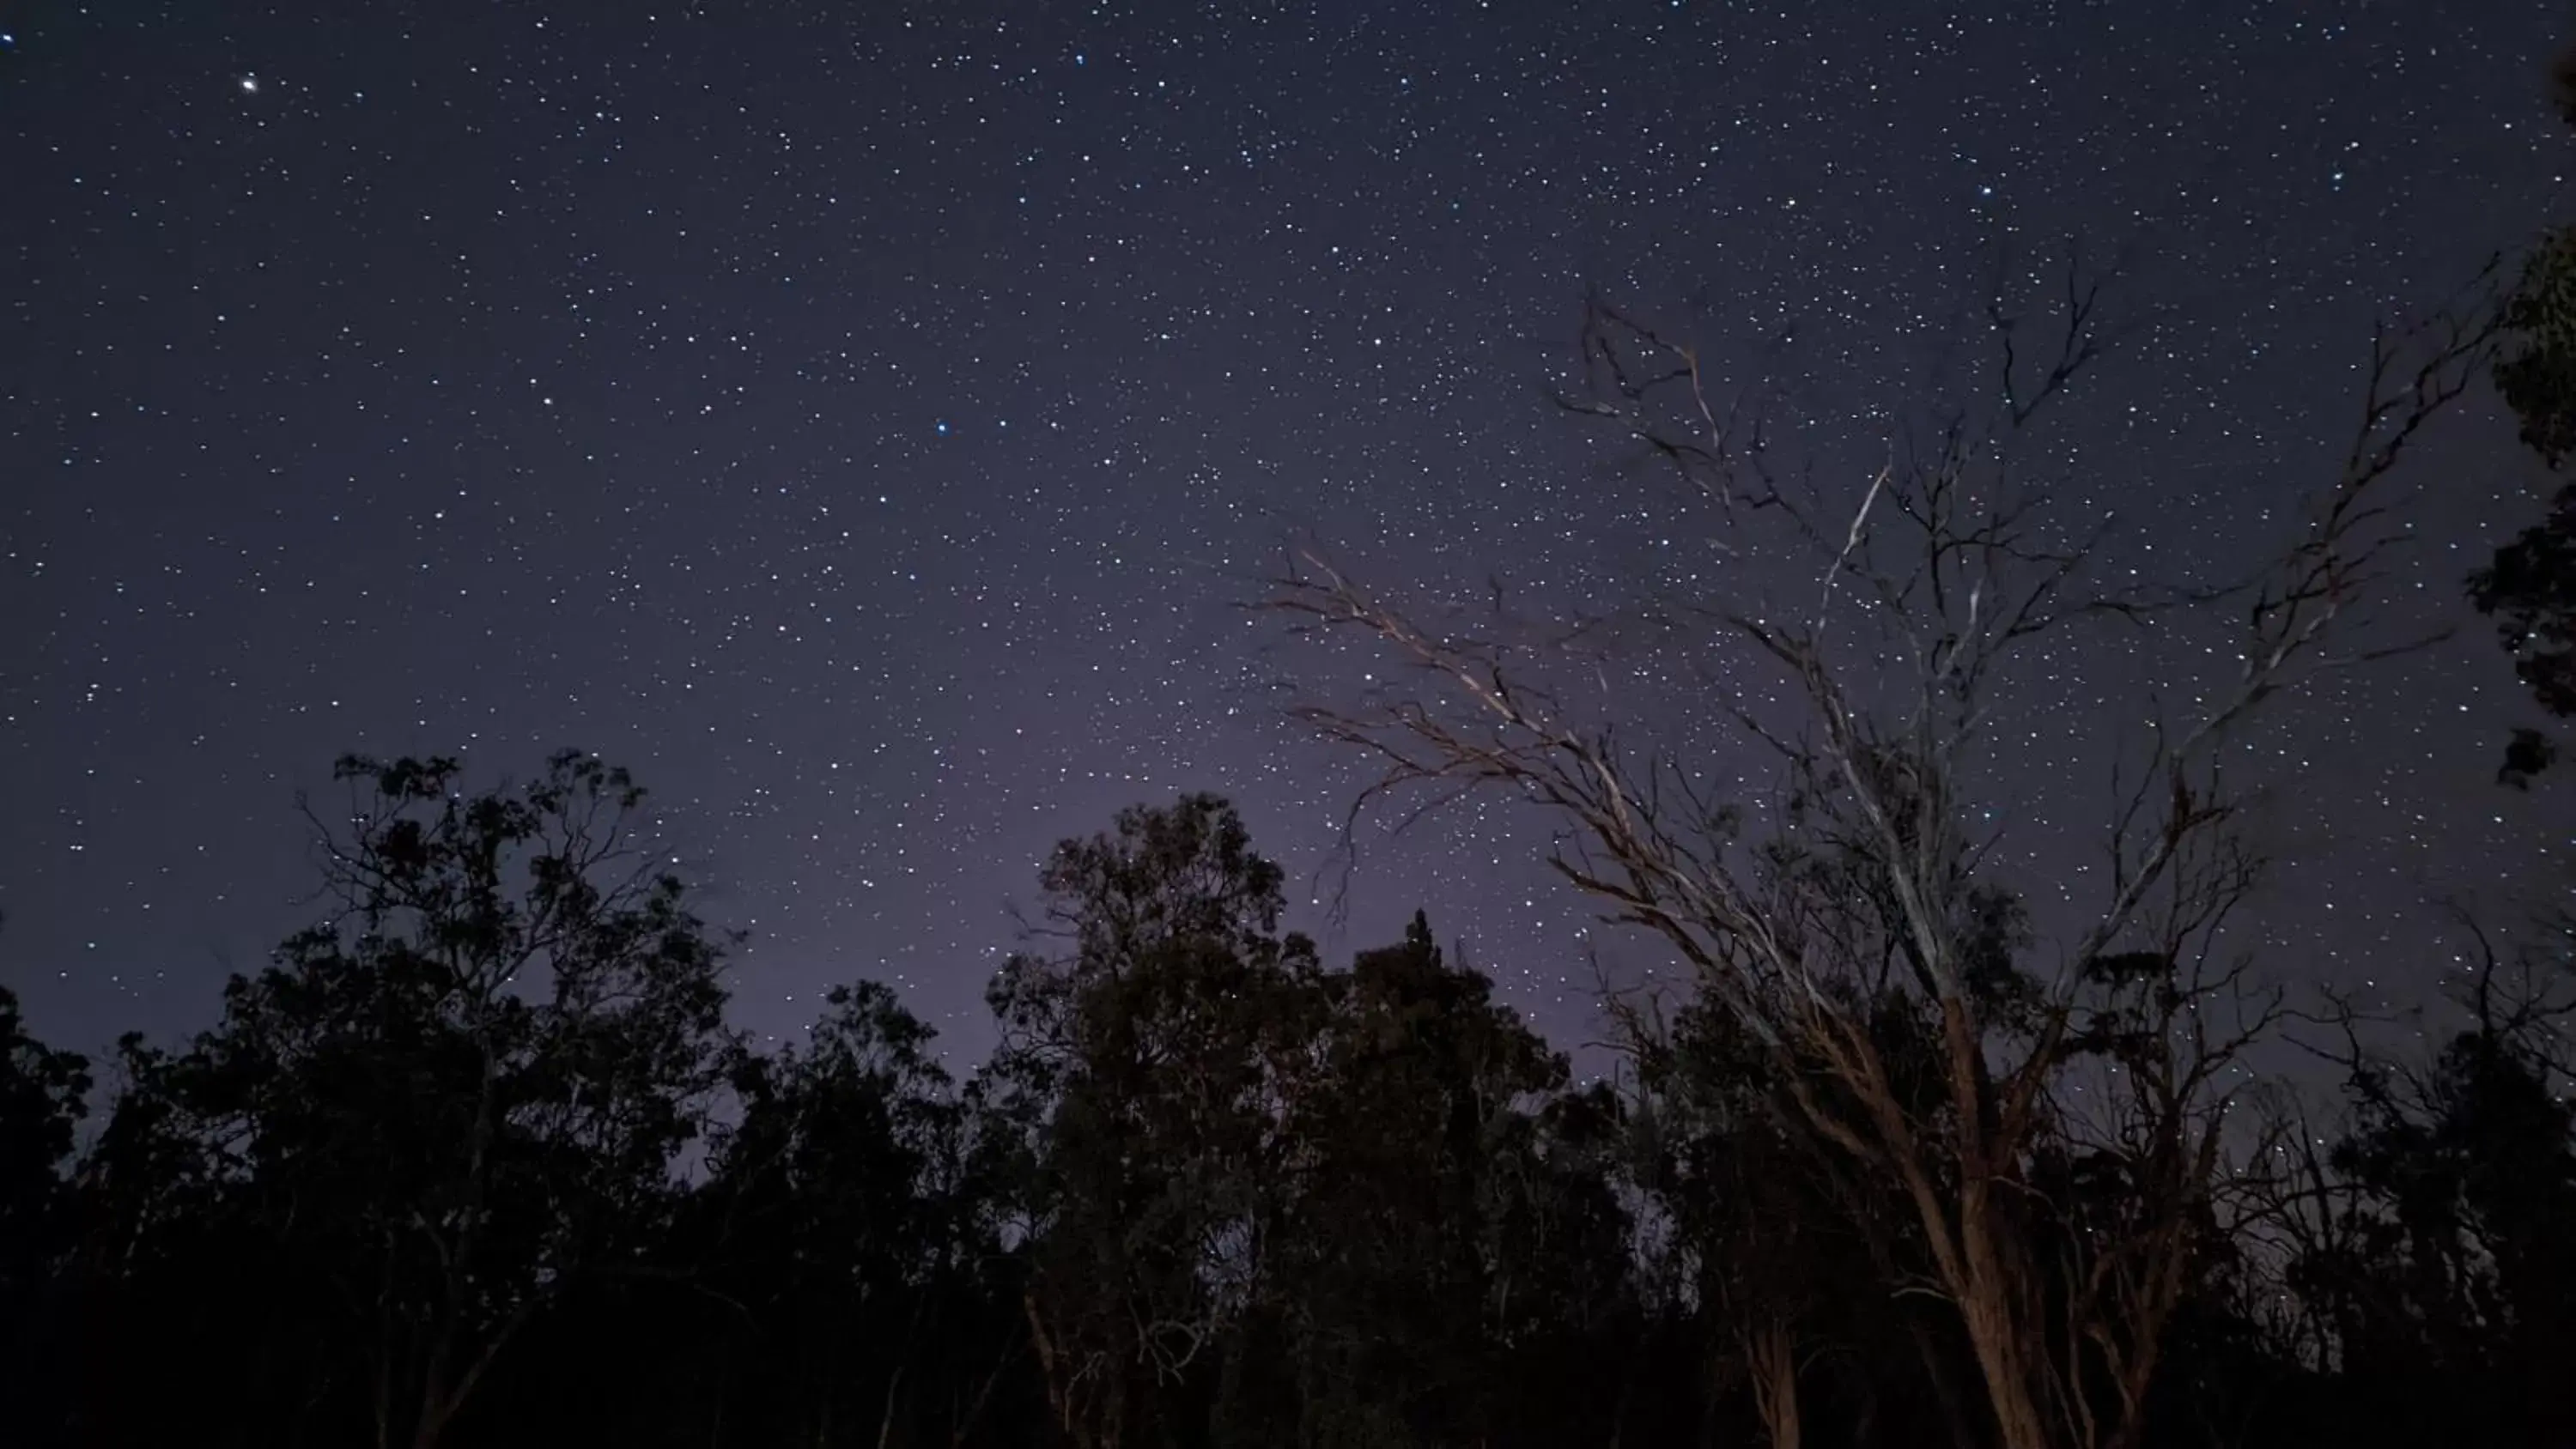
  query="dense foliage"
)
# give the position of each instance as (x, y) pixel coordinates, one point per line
(2529, 585)
(475, 1161)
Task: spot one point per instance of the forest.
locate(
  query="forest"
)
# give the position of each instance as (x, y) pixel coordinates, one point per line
(480, 1163)
(1913, 1156)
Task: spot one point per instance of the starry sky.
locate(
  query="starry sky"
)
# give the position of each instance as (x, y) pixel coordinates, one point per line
(865, 420)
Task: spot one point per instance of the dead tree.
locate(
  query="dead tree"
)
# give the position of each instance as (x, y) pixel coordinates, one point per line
(1933, 577)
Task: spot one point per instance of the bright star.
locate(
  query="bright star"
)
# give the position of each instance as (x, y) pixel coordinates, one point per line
(250, 85)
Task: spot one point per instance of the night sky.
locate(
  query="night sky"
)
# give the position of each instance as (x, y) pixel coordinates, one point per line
(865, 420)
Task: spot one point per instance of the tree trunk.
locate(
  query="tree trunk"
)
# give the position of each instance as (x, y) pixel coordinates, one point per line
(885, 1423)
(429, 1421)
(432, 1423)
(2003, 1360)
(1984, 1271)
(1773, 1352)
(1049, 1371)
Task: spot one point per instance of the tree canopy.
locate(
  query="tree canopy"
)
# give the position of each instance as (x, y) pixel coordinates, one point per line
(474, 1161)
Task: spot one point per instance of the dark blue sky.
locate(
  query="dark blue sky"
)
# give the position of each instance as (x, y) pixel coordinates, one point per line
(864, 419)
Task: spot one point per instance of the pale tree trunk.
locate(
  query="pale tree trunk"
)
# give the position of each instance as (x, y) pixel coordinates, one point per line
(885, 1423)
(444, 1391)
(1772, 1351)
(2004, 1363)
(1990, 1296)
(1092, 1423)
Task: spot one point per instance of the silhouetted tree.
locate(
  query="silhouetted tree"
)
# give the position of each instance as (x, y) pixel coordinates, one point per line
(2529, 586)
(2437, 1259)
(1145, 1065)
(42, 1100)
(1450, 1247)
(844, 1227)
(442, 1111)
(1770, 1257)
(43, 1094)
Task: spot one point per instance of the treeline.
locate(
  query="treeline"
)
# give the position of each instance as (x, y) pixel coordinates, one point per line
(477, 1161)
